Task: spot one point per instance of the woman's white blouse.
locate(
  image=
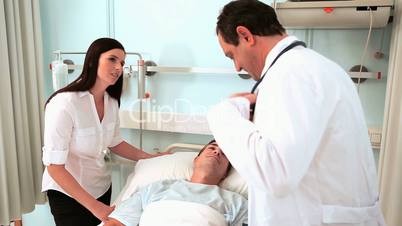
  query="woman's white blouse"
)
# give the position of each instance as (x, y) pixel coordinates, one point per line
(74, 136)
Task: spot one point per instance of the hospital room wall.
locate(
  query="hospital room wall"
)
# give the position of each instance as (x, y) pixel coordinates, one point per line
(181, 33)
(184, 36)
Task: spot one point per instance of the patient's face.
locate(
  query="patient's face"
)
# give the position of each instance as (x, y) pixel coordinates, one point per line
(213, 159)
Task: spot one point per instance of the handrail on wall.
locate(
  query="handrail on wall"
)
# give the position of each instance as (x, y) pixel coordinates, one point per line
(142, 69)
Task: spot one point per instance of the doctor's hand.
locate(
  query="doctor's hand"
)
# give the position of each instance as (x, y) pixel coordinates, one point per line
(251, 97)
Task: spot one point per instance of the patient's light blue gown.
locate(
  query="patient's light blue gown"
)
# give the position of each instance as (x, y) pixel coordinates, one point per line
(232, 205)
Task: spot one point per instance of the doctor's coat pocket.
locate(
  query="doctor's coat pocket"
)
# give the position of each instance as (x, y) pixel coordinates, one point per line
(109, 132)
(85, 140)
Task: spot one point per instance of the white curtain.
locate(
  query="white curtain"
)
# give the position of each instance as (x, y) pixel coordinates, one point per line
(390, 168)
(21, 108)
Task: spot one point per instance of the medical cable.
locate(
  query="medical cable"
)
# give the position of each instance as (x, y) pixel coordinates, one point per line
(365, 49)
(291, 46)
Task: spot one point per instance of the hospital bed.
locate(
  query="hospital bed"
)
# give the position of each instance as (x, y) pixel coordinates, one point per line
(178, 166)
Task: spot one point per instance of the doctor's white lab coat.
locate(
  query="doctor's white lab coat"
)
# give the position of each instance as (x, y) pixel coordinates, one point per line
(306, 156)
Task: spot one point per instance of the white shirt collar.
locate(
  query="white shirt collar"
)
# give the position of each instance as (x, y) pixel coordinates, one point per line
(85, 93)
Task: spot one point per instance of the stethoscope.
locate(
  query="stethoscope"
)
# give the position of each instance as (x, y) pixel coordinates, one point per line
(291, 46)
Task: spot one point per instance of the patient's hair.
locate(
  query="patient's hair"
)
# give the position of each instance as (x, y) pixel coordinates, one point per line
(214, 141)
(203, 148)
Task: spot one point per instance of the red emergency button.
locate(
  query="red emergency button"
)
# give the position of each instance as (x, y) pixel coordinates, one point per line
(379, 75)
(328, 9)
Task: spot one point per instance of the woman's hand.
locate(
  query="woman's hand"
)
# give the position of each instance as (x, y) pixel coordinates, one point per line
(101, 211)
(128, 151)
(161, 153)
(112, 222)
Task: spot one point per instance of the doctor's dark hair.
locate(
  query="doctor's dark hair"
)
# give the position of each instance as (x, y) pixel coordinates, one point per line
(87, 78)
(203, 148)
(256, 16)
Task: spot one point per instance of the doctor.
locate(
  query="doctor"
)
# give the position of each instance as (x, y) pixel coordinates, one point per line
(305, 152)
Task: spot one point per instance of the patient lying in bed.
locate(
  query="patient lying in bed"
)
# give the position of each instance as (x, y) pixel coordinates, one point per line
(209, 168)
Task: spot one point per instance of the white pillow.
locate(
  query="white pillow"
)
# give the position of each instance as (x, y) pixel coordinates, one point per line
(175, 166)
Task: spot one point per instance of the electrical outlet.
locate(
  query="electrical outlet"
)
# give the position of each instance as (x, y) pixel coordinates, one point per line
(375, 135)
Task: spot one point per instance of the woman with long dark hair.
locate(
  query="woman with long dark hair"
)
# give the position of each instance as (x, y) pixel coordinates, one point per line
(81, 124)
